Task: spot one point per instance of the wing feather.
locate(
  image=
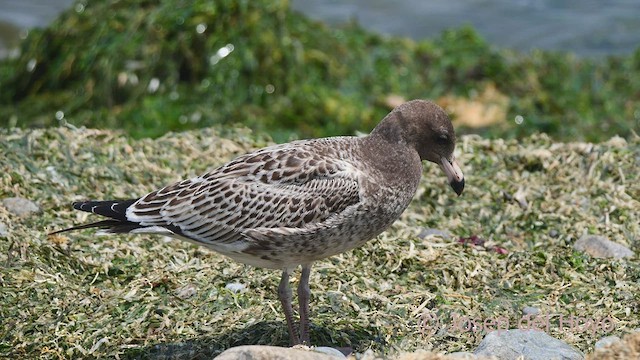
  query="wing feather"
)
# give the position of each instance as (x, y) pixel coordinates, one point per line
(293, 186)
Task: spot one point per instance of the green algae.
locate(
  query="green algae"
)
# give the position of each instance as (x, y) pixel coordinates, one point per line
(152, 67)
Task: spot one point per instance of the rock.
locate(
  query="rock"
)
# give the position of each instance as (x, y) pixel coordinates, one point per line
(369, 355)
(329, 351)
(601, 247)
(528, 344)
(626, 348)
(530, 310)
(20, 206)
(435, 232)
(428, 355)
(424, 355)
(462, 355)
(236, 287)
(3, 230)
(260, 352)
(606, 341)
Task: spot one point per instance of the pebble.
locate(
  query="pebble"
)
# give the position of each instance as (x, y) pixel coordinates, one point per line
(601, 247)
(329, 351)
(20, 206)
(3, 230)
(445, 235)
(530, 310)
(626, 348)
(257, 352)
(428, 355)
(461, 355)
(606, 341)
(236, 287)
(528, 344)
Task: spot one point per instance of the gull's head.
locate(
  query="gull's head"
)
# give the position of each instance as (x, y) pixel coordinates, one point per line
(426, 127)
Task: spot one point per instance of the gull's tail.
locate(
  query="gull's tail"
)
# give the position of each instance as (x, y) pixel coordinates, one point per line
(115, 210)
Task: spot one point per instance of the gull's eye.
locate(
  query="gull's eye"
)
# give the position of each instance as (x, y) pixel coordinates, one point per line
(443, 138)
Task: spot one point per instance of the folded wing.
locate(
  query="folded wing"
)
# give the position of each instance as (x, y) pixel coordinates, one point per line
(282, 187)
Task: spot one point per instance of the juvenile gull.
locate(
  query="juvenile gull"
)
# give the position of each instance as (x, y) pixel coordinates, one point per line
(289, 205)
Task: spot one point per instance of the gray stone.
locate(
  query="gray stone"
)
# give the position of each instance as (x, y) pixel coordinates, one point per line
(329, 351)
(606, 341)
(530, 310)
(368, 355)
(20, 206)
(528, 344)
(236, 287)
(260, 352)
(461, 355)
(601, 247)
(3, 230)
(435, 232)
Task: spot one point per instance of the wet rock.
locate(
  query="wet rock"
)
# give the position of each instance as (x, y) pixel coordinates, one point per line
(259, 352)
(601, 247)
(528, 344)
(606, 341)
(20, 206)
(530, 310)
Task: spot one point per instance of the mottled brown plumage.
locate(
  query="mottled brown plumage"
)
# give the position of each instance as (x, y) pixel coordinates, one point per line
(292, 204)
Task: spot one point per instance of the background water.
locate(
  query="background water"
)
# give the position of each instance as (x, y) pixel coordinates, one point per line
(587, 27)
(18, 15)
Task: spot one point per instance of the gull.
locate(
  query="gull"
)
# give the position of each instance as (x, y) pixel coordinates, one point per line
(292, 204)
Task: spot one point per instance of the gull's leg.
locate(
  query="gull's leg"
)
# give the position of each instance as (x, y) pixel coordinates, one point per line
(304, 293)
(284, 293)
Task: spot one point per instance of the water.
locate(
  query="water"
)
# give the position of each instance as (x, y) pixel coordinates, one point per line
(16, 16)
(589, 28)
(586, 27)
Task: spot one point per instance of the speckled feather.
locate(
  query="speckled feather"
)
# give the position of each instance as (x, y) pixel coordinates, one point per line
(238, 208)
(294, 203)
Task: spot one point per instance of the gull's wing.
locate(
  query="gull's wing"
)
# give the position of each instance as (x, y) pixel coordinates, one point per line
(288, 186)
